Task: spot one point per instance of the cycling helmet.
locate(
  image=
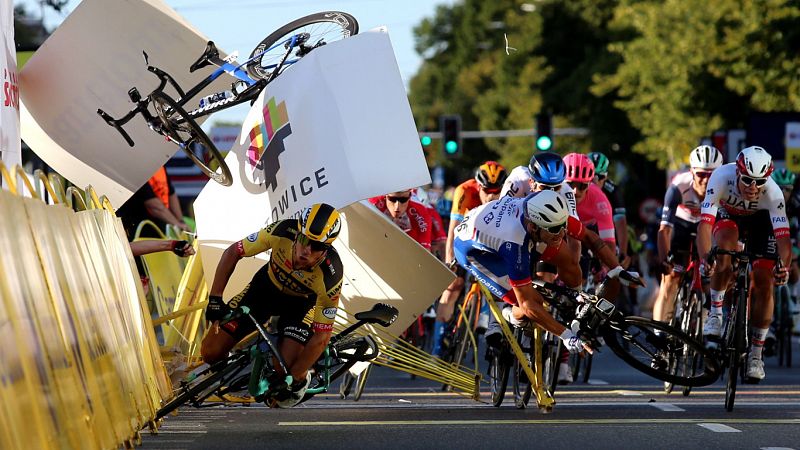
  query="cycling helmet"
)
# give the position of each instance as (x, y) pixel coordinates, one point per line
(320, 223)
(546, 209)
(600, 162)
(579, 168)
(547, 168)
(705, 157)
(491, 175)
(784, 177)
(754, 162)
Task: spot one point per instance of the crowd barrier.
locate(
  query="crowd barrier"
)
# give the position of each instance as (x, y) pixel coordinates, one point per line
(79, 366)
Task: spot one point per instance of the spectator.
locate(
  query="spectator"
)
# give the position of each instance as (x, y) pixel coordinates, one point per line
(155, 200)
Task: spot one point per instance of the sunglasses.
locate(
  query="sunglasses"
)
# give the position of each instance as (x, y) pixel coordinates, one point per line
(702, 174)
(579, 186)
(491, 190)
(316, 246)
(549, 187)
(556, 229)
(750, 180)
(397, 199)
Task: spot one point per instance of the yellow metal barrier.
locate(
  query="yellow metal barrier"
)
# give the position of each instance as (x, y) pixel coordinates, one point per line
(80, 364)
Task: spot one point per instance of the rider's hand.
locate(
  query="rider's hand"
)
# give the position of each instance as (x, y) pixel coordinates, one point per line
(216, 309)
(627, 278)
(667, 267)
(573, 343)
(781, 275)
(182, 248)
(705, 268)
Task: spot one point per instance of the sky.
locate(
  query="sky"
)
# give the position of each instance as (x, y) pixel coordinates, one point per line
(242, 24)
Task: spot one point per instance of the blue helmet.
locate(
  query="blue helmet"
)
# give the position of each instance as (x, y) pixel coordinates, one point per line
(547, 168)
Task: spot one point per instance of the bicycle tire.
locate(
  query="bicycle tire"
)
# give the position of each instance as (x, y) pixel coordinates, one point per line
(347, 24)
(692, 325)
(522, 386)
(464, 342)
(186, 125)
(734, 363)
(551, 349)
(676, 321)
(199, 385)
(638, 334)
(361, 382)
(346, 386)
(587, 367)
(498, 378)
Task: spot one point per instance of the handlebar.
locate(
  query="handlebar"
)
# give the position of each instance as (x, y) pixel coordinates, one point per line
(742, 256)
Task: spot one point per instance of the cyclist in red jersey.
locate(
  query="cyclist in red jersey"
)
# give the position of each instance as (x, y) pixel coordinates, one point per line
(412, 217)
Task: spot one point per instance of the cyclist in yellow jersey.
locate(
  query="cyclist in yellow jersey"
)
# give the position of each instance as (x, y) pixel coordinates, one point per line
(303, 272)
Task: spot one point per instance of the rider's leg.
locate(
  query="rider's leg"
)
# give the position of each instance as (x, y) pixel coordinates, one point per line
(726, 236)
(664, 306)
(444, 312)
(216, 345)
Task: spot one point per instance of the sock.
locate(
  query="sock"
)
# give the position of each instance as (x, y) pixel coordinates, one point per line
(438, 333)
(717, 299)
(759, 334)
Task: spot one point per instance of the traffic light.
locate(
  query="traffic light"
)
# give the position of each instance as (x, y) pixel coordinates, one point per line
(451, 135)
(544, 132)
(425, 140)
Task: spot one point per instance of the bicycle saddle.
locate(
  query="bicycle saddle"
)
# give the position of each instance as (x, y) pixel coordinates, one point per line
(382, 314)
(210, 53)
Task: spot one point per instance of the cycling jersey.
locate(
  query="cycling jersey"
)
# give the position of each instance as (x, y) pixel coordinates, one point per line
(723, 191)
(493, 244)
(595, 211)
(614, 197)
(416, 222)
(466, 196)
(321, 283)
(681, 201)
(438, 233)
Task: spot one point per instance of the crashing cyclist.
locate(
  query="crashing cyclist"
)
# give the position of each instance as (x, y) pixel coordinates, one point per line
(477, 191)
(499, 243)
(679, 220)
(304, 272)
(743, 203)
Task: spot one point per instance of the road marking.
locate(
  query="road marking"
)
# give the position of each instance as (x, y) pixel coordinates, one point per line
(628, 393)
(776, 448)
(182, 431)
(566, 392)
(667, 407)
(596, 382)
(719, 428)
(701, 422)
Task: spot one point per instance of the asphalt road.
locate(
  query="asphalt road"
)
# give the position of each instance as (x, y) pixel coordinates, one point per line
(618, 408)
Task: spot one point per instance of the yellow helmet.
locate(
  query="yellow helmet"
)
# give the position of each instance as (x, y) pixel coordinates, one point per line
(320, 223)
(491, 176)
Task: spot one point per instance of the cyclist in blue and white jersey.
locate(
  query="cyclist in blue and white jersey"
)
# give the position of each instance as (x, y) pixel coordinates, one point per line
(498, 242)
(743, 202)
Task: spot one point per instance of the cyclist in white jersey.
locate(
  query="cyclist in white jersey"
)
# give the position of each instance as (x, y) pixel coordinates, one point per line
(498, 242)
(679, 220)
(743, 203)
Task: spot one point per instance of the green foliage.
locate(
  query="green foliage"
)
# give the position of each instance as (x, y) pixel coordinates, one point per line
(652, 76)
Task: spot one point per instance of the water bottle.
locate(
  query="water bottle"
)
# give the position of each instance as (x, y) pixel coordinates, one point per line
(213, 98)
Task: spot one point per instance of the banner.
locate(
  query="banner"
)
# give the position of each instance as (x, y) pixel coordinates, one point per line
(90, 62)
(9, 109)
(793, 146)
(336, 127)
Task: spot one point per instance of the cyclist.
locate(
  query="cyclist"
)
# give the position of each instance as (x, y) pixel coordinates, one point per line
(304, 272)
(412, 217)
(483, 188)
(499, 241)
(438, 234)
(679, 219)
(614, 196)
(743, 202)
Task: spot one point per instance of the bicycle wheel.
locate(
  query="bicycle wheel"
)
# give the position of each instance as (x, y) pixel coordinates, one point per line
(522, 385)
(692, 325)
(551, 360)
(587, 367)
(676, 322)
(346, 385)
(498, 377)
(200, 388)
(184, 131)
(634, 340)
(361, 382)
(317, 29)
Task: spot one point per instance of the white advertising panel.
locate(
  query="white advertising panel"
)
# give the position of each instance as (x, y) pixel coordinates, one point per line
(9, 108)
(90, 62)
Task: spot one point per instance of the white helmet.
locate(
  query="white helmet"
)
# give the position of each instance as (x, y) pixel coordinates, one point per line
(705, 157)
(754, 162)
(546, 208)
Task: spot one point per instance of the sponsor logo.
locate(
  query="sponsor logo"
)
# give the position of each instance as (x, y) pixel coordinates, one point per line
(779, 220)
(710, 191)
(267, 142)
(10, 89)
(487, 219)
(330, 313)
(252, 237)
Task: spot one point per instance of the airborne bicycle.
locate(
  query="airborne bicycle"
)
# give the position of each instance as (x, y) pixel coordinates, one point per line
(270, 58)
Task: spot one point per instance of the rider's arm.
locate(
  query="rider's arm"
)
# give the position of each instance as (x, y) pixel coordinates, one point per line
(225, 268)
(530, 301)
(672, 199)
(664, 241)
(600, 249)
(155, 208)
(456, 216)
(604, 216)
(780, 224)
(621, 228)
(708, 212)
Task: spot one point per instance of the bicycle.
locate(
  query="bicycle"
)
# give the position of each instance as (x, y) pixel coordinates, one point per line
(784, 325)
(261, 357)
(734, 349)
(688, 317)
(633, 339)
(169, 119)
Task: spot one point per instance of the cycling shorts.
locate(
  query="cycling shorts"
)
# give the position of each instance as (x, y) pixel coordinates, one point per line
(755, 230)
(488, 268)
(682, 242)
(266, 300)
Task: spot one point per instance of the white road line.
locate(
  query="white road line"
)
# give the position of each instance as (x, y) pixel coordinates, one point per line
(667, 407)
(719, 428)
(777, 448)
(629, 393)
(596, 382)
(182, 431)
